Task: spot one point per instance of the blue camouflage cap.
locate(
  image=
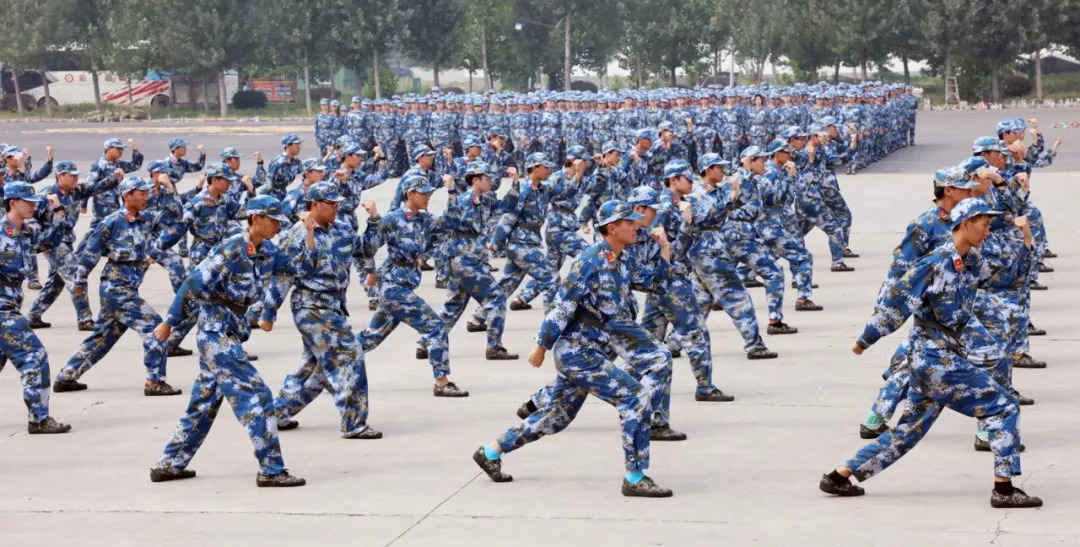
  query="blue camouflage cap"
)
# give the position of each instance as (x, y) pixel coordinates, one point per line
(613, 210)
(470, 142)
(576, 152)
(158, 166)
(610, 146)
(357, 99)
(645, 196)
(476, 168)
(708, 160)
(353, 148)
(324, 191)
(229, 152)
(646, 134)
(11, 151)
(987, 144)
(973, 164)
(324, 102)
(417, 183)
(536, 159)
(794, 132)
(312, 164)
(676, 168)
(290, 139)
(114, 143)
(177, 142)
(953, 176)
(268, 206)
(130, 184)
(421, 151)
(66, 168)
(666, 126)
(827, 121)
(752, 151)
(497, 131)
(778, 145)
(219, 170)
(970, 208)
(20, 190)
(335, 103)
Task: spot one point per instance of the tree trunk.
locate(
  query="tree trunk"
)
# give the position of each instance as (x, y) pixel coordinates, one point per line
(203, 99)
(1038, 76)
(836, 73)
(172, 91)
(359, 80)
(375, 71)
(97, 89)
(190, 92)
(566, 50)
(48, 95)
(907, 71)
(307, 84)
(948, 76)
(673, 78)
(638, 71)
(995, 82)
(435, 75)
(731, 73)
(131, 99)
(470, 81)
(222, 99)
(332, 86)
(865, 76)
(18, 91)
(484, 59)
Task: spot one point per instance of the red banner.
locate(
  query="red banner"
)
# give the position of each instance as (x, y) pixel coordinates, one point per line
(277, 91)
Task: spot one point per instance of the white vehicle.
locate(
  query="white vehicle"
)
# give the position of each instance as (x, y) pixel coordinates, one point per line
(77, 86)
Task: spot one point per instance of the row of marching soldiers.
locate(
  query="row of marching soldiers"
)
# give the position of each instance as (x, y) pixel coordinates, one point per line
(730, 219)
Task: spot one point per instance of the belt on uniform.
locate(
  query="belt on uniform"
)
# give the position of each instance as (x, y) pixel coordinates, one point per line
(710, 228)
(10, 284)
(751, 220)
(458, 233)
(567, 210)
(402, 263)
(586, 318)
(338, 294)
(532, 227)
(233, 306)
(927, 324)
(128, 262)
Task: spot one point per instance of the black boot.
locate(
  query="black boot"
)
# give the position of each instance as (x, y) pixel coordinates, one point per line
(1035, 331)
(368, 433)
(179, 352)
(843, 489)
(753, 283)
(866, 432)
(61, 386)
(286, 424)
(761, 352)
(665, 433)
(781, 328)
(37, 323)
(499, 354)
(714, 396)
(164, 475)
(476, 327)
(1043, 268)
(48, 426)
(493, 468)
(841, 267)
(421, 353)
(517, 305)
(526, 408)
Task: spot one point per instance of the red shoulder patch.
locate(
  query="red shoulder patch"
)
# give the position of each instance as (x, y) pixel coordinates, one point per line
(209, 201)
(251, 249)
(10, 231)
(476, 199)
(943, 214)
(610, 257)
(408, 215)
(130, 217)
(958, 263)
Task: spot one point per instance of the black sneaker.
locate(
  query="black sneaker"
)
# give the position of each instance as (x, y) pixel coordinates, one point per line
(1017, 500)
(441, 284)
(866, 432)
(753, 283)
(1043, 268)
(807, 305)
(493, 468)
(426, 267)
(283, 480)
(160, 389)
(373, 304)
(1035, 331)
(517, 305)
(499, 353)
(48, 426)
(645, 488)
(844, 489)
(367, 434)
(449, 389)
(761, 352)
(37, 323)
(476, 327)
(812, 285)
(676, 353)
(984, 445)
(1049, 254)
(717, 306)
(61, 386)
(526, 409)
(285, 424)
(781, 328)
(1024, 401)
(714, 396)
(251, 357)
(1027, 361)
(848, 253)
(665, 433)
(86, 326)
(164, 475)
(841, 267)
(179, 352)
(1036, 286)
(34, 285)
(421, 353)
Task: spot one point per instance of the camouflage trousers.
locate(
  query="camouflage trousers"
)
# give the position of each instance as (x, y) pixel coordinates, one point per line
(749, 250)
(116, 317)
(561, 245)
(399, 304)
(730, 149)
(470, 278)
(332, 360)
(61, 267)
(677, 304)
(584, 370)
(19, 344)
(942, 378)
(814, 213)
(788, 245)
(225, 373)
(716, 280)
(830, 192)
(520, 260)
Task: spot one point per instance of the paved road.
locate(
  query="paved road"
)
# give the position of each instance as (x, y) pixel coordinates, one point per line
(747, 474)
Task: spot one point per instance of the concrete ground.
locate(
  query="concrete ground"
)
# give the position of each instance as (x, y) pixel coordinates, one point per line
(747, 475)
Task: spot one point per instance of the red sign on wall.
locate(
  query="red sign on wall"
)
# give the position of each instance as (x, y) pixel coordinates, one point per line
(277, 91)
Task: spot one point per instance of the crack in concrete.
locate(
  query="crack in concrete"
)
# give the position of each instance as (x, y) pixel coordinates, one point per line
(433, 509)
(998, 532)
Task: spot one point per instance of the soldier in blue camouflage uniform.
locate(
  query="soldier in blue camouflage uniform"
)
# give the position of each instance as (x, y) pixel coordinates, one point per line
(549, 130)
(179, 166)
(283, 169)
(938, 291)
(18, 241)
(744, 241)
(249, 185)
(703, 126)
(324, 126)
(834, 148)
(715, 276)
(17, 169)
(810, 208)
(323, 247)
(728, 125)
(167, 205)
(70, 192)
(407, 233)
(610, 180)
(594, 293)
(108, 202)
(232, 277)
(466, 223)
(561, 229)
(125, 237)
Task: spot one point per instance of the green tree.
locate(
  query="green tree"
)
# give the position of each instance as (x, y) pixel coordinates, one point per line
(434, 37)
